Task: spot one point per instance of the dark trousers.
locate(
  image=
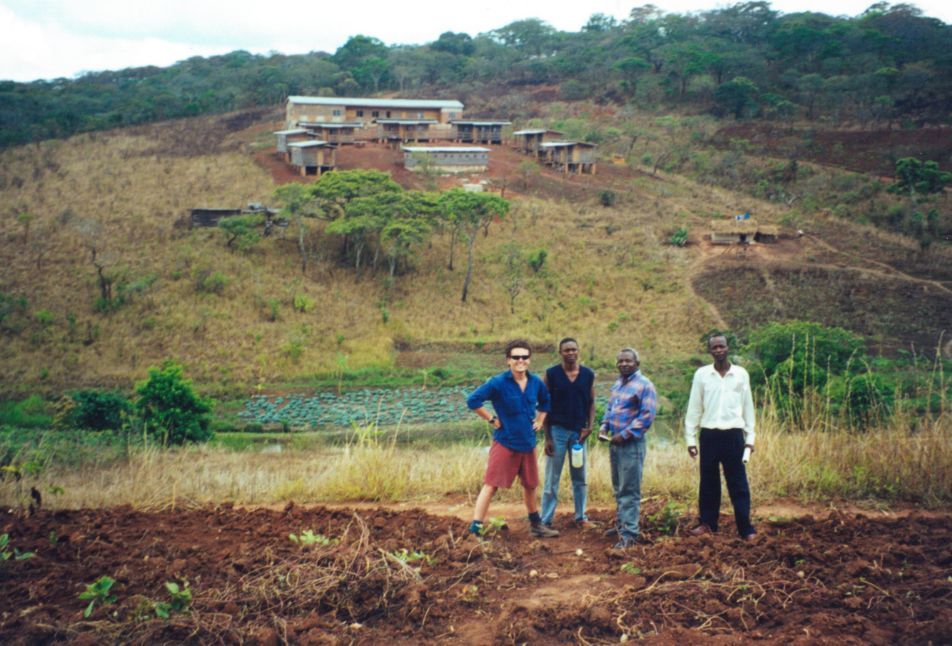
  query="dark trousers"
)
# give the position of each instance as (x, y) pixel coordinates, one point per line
(724, 448)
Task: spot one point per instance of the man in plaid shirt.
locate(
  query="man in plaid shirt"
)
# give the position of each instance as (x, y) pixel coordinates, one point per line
(628, 417)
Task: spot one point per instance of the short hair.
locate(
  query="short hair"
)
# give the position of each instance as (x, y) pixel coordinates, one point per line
(631, 351)
(567, 339)
(718, 336)
(518, 343)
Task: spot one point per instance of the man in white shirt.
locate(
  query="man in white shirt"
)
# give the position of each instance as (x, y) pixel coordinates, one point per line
(722, 409)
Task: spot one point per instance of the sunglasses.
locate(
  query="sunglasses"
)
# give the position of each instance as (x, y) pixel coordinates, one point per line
(519, 357)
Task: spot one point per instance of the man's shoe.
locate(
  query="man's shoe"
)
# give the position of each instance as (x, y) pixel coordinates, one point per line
(611, 532)
(624, 544)
(750, 538)
(542, 531)
(585, 523)
(701, 530)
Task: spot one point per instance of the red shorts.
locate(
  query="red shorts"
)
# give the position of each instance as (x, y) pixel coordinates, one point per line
(505, 464)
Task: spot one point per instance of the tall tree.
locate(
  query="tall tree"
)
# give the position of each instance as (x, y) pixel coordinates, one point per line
(473, 212)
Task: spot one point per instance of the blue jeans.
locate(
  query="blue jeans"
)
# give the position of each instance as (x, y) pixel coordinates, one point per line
(563, 439)
(628, 463)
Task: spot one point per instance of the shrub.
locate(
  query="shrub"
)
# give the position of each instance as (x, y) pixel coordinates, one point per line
(170, 408)
(537, 258)
(208, 281)
(607, 198)
(678, 237)
(32, 412)
(98, 410)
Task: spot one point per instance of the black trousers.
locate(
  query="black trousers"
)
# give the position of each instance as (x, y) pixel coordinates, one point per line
(724, 449)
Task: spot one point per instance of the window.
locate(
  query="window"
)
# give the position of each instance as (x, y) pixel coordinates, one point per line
(360, 113)
(375, 114)
(419, 115)
(336, 113)
(388, 114)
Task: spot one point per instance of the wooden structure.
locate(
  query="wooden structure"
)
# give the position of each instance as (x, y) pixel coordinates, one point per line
(404, 130)
(528, 141)
(335, 134)
(210, 217)
(313, 157)
(478, 132)
(569, 156)
(364, 110)
(446, 159)
(288, 136)
(743, 232)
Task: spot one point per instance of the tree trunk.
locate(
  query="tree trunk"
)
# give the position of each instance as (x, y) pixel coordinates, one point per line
(469, 263)
(301, 246)
(453, 240)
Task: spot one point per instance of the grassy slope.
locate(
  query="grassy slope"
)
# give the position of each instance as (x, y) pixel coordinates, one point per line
(609, 279)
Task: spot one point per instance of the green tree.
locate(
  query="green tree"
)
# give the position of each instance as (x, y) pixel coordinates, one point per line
(470, 213)
(914, 176)
(738, 96)
(242, 231)
(170, 408)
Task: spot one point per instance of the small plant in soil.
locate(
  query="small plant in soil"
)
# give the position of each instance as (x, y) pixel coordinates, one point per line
(6, 553)
(630, 568)
(493, 526)
(180, 600)
(666, 520)
(405, 556)
(308, 537)
(97, 592)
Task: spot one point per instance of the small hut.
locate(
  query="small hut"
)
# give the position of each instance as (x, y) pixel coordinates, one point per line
(528, 141)
(313, 157)
(446, 159)
(569, 156)
(335, 134)
(396, 131)
(288, 136)
(733, 231)
(478, 132)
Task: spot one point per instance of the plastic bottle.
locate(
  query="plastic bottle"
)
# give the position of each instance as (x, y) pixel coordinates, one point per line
(578, 456)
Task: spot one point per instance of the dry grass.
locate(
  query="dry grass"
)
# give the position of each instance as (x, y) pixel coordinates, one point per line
(608, 277)
(891, 464)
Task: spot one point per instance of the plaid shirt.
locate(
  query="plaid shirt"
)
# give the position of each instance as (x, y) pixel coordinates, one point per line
(631, 409)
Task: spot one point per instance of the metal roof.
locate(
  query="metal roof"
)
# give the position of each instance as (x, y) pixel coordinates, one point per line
(309, 144)
(482, 123)
(376, 103)
(444, 149)
(407, 122)
(328, 125)
(534, 131)
(564, 144)
(292, 131)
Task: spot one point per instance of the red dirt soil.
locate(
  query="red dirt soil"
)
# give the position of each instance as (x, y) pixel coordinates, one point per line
(836, 579)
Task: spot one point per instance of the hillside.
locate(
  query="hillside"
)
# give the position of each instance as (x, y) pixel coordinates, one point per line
(230, 316)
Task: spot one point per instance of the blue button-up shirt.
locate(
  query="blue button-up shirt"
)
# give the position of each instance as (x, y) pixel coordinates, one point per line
(516, 408)
(632, 406)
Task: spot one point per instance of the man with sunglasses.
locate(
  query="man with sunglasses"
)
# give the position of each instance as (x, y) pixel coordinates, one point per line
(520, 401)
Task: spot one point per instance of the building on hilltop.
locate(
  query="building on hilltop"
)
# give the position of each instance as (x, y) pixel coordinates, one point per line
(446, 159)
(313, 157)
(286, 137)
(743, 231)
(528, 141)
(569, 156)
(481, 131)
(302, 111)
(396, 131)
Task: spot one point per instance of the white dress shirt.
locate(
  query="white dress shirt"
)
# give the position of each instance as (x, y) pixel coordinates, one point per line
(718, 402)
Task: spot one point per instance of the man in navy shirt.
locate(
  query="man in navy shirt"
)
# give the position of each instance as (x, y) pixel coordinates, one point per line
(572, 389)
(520, 401)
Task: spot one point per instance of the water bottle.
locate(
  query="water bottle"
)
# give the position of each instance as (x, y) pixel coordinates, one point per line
(578, 456)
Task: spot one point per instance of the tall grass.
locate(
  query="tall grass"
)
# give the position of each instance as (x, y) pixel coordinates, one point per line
(895, 463)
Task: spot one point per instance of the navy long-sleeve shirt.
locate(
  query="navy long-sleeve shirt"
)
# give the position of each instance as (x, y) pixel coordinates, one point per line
(516, 408)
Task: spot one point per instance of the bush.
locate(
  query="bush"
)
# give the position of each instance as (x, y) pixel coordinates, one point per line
(537, 258)
(170, 408)
(210, 282)
(97, 410)
(32, 412)
(607, 198)
(678, 237)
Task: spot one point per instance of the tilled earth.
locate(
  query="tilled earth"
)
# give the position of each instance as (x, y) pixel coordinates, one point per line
(412, 577)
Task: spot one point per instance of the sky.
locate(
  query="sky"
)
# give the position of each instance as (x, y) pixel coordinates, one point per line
(46, 39)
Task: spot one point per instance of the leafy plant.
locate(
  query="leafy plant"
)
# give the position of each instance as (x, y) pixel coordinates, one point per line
(607, 198)
(6, 554)
(405, 556)
(308, 537)
(630, 568)
(97, 410)
(170, 408)
(678, 237)
(666, 520)
(493, 526)
(180, 600)
(97, 592)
